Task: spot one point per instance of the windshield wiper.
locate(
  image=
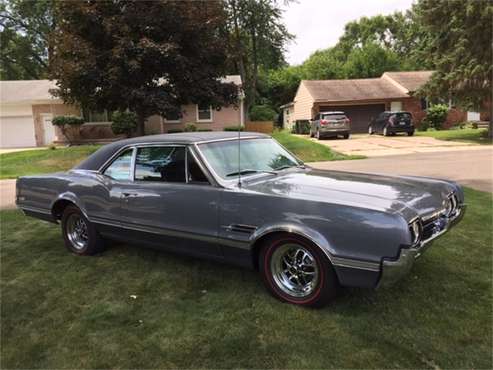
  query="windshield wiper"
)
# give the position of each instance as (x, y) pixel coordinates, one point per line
(288, 166)
(247, 171)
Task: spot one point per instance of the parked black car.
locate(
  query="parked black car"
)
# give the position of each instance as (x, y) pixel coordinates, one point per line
(389, 123)
(330, 124)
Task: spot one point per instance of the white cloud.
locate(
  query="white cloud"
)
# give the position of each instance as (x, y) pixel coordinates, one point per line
(318, 24)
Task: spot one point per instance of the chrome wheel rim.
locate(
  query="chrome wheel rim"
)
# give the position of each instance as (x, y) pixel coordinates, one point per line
(370, 130)
(294, 270)
(77, 231)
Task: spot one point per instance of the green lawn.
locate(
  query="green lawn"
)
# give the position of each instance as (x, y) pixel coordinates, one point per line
(31, 162)
(63, 311)
(309, 151)
(467, 134)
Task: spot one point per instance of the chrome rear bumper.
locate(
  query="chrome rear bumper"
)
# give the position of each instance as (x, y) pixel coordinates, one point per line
(394, 269)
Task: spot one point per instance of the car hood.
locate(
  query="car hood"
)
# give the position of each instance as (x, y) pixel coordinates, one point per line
(409, 196)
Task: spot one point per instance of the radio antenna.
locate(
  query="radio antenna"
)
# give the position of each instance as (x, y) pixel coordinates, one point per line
(239, 156)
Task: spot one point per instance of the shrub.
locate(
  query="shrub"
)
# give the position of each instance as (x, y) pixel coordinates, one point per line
(69, 126)
(190, 127)
(123, 123)
(174, 131)
(423, 126)
(301, 127)
(262, 113)
(204, 129)
(233, 128)
(474, 125)
(436, 116)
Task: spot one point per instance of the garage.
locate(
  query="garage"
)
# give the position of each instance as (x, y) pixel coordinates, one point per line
(16, 132)
(360, 115)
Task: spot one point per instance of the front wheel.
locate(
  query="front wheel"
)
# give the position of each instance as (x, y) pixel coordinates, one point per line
(410, 133)
(80, 235)
(346, 136)
(298, 272)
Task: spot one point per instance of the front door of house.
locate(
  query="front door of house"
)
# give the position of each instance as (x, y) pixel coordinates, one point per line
(48, 129)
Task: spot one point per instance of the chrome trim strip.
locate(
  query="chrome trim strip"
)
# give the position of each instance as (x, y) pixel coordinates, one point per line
(230, 139)
(356, 264)
(34, 209)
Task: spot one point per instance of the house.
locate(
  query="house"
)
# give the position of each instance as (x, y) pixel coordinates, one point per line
(27, 107)
(364, 99)
(288, 115)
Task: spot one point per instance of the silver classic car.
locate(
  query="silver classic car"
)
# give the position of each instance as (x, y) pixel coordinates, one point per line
(247, 200)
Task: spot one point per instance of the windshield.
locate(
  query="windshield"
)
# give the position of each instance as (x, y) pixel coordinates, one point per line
(257, 155)
(333, 116)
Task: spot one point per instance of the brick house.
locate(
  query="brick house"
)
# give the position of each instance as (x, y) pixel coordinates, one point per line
(364, 99)
(27, 107)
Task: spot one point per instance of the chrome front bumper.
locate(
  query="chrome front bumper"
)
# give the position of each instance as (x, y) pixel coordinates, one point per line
(393, 270)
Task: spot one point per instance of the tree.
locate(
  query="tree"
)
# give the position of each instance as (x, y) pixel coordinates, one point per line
(257, 38)
(371, 60)
(461, 50)
(145, 57)
(25, 27)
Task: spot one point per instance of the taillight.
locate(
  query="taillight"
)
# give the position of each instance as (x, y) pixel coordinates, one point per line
(348, 121)
(323, 122)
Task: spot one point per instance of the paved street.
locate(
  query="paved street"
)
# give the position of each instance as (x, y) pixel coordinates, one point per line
(377, 145)
(470, 168)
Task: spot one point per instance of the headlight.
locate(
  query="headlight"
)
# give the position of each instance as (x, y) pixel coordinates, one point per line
(415, 228)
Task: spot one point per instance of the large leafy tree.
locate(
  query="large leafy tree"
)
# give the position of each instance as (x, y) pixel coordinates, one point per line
(460, 50)
(257, 40)
(25, 26)
(147, 57)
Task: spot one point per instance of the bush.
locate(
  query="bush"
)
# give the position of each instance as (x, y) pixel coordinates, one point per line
(262, 113)
(190, 127)
(123, 123)
(423, 126)
(301, 127)
(174, 131)
(436, 116)
(69, 126)
(204, 129)
(233, 128)
(474, 125)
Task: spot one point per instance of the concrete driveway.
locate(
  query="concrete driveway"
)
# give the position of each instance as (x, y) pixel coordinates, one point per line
(377, 145)
(470, 168)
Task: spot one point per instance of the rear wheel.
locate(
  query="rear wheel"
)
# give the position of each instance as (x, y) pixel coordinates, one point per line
(311, 132)
(80, 235)
(410, 133)
(317, 135)
(346, 136)
(297, 272)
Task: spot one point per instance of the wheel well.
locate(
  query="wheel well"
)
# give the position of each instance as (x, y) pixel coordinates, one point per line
(59, 207)
(260, 242)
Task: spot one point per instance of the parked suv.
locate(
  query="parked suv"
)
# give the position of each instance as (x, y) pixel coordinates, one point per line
(327, 124)
(389, 123)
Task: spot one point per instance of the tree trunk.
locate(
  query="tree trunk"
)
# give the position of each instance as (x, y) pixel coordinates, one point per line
(140, 130)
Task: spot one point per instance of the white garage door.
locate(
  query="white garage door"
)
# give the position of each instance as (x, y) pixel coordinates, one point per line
(17, 132)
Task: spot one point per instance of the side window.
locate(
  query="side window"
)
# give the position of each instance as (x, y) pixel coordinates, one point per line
(195, 174)
(121, 169)
(165, 164)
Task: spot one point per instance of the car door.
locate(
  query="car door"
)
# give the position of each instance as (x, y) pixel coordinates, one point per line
(169, 206)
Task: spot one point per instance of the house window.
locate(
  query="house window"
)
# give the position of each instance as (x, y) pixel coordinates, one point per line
(204, 113)
(173, 117)
(95, 116)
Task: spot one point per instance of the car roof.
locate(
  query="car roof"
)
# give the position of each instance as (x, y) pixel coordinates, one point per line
(396, 111)
(332, 112)
(101, 156)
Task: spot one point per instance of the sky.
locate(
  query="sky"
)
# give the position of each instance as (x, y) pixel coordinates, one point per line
(318, 24)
